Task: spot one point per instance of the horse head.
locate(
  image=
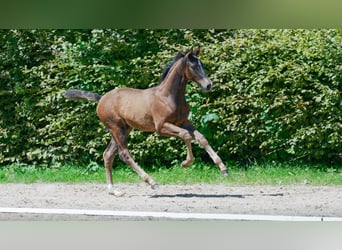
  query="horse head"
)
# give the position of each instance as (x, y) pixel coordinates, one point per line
(194, 70)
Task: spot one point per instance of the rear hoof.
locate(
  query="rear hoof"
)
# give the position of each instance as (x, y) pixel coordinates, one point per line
(116, 193)
(225, 173)
(155, 186)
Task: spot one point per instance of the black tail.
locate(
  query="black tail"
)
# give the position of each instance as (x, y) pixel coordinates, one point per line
(75, 94)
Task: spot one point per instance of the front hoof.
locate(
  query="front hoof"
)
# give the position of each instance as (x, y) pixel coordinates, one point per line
(225, 173)
(186, 163)
(155, 186)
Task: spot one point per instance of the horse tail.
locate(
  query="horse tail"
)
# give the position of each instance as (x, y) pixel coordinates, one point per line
(75, 94)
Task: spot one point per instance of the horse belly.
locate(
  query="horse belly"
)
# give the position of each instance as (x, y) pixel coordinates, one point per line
(140, 121)
(130, 105)
(136, 112)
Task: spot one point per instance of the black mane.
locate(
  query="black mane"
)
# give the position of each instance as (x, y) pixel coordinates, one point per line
(169, 65)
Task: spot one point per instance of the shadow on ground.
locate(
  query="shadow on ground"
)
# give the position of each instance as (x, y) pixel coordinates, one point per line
(191, 195)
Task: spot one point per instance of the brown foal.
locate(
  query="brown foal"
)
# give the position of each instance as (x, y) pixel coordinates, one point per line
(160, 109)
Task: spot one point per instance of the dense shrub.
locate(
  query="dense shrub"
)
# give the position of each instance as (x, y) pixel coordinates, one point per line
(276, 96)
(280, 96)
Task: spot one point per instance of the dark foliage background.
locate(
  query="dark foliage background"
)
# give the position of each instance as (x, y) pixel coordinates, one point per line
(276, 96)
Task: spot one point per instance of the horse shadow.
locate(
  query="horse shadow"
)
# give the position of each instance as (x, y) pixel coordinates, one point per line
(191, 195)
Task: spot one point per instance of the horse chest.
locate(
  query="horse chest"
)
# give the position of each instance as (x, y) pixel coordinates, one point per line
(172, 109)
(178, 114)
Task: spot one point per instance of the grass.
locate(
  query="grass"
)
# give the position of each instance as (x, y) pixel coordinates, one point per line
(267, 174)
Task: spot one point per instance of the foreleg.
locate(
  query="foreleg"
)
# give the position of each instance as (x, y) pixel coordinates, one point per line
(169, 129)
(204, 143)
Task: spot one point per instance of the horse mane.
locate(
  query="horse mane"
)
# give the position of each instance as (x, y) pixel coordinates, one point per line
(169, 65)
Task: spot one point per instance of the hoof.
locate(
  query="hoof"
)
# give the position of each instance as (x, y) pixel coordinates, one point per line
(186, 163)
(116, 193)
(225, 173)
(154, 186)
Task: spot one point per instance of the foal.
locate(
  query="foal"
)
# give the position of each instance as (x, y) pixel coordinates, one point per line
(160, 109)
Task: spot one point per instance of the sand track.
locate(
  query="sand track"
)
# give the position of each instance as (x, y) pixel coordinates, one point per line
(296, 200)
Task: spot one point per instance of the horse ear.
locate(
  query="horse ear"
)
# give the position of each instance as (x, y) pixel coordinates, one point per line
(179, 55)
(197, 51)
(190, 52)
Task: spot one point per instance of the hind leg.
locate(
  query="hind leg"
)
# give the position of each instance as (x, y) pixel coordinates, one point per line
(120, 134)
(108, 157)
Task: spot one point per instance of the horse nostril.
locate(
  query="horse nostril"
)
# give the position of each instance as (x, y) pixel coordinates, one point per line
(209, 86)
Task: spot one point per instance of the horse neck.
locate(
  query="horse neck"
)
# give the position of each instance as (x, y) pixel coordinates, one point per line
(174, 83)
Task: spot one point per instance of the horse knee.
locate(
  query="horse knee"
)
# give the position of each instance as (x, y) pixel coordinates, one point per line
(125, 156)
(202, 140)
(186, 136)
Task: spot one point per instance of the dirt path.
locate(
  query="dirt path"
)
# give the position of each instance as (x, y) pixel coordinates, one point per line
(298, 200)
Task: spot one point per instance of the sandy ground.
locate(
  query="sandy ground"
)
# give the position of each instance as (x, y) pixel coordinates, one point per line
(297, 200)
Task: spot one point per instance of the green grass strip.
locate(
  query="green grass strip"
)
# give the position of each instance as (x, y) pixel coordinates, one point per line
(255, 174)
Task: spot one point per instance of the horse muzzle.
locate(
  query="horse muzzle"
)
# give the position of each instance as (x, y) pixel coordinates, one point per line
(208, 88)
(205, 84)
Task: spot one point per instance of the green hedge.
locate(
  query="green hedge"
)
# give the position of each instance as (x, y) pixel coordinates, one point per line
(276, 96)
